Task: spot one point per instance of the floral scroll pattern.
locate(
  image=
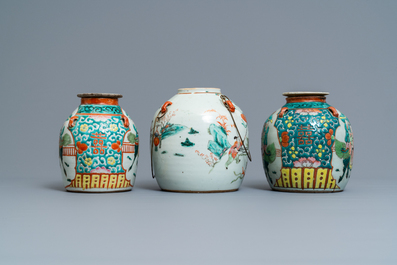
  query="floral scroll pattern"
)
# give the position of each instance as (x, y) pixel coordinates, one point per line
(99, 139)
(307, 136)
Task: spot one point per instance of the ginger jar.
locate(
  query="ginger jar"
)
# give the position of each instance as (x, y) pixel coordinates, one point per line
(98, 146)
(199, 142)
(307, 145)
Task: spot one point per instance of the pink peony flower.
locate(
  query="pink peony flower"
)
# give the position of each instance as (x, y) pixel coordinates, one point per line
(100, 117)
(307, 111)
(307, 162)
(100, 170)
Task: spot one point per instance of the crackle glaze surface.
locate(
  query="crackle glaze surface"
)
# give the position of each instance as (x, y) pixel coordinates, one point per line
(308, 148)
(98, 149)
(195, 145)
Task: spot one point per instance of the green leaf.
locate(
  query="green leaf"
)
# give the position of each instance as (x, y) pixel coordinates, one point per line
(67, 164)
(131, 138)
(270, 153)
(341, 150)
(66, 140)
(129, 158)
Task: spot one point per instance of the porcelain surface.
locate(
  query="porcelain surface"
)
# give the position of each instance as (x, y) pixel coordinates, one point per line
(98, 147)
(307, 146)
(195, 145)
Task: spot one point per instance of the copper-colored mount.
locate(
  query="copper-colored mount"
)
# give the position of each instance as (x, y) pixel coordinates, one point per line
(305, 99)
(99, 101)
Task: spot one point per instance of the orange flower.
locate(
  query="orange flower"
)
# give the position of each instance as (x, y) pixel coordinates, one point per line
(81, 147)
(328, 136)
(284, 139)
(156, 141)
(244, 118)
(116, 146)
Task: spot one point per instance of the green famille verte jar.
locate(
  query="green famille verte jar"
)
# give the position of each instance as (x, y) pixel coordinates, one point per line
(307, 145)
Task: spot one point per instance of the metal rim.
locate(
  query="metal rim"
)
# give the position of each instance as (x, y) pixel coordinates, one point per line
(304, 93)
(99, 95)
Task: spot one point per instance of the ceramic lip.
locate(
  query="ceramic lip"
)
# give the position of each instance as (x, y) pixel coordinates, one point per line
(99, 95)
(305, 93)
(199, 89)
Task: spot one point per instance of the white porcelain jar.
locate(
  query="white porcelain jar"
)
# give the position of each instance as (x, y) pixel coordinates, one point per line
(195, 144)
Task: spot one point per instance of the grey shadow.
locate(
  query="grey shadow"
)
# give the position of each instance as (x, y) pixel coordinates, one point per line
(152, 185)
(257, 184)
(55, 186)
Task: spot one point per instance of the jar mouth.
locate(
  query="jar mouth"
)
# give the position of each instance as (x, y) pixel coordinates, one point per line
(305, 94)
(199, 90)
(99, 95)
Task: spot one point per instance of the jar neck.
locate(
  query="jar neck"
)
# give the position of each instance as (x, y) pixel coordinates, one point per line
(295, 99)
(100, 101)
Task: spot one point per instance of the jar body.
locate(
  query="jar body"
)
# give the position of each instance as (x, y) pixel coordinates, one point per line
(98, 149)
(195, 145)
(307, 146)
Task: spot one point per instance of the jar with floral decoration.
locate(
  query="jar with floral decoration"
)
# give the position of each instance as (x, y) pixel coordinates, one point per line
(199, 142)
(307, 145)
(98, 146)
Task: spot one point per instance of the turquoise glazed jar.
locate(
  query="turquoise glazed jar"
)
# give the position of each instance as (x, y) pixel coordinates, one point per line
(98, 146)
(307, 145)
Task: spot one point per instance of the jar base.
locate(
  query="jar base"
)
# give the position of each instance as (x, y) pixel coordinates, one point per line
(98, 191)
(307, 191)
(200, 191)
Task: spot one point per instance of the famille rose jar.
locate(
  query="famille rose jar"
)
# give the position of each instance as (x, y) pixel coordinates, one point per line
(199, 142)
(307, 145)
(98, 146)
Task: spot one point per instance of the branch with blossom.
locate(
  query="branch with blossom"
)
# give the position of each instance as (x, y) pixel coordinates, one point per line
(166, 118)
(211, 160)
(222, 121)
